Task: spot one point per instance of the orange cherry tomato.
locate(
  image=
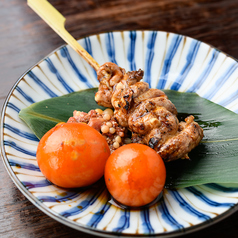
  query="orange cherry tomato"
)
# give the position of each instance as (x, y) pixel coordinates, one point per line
(135, 175)
(72, 155)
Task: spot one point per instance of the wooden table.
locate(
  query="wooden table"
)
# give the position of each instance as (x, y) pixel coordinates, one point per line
(25, 39)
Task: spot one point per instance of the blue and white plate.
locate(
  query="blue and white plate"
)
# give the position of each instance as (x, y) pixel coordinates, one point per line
(170, 61)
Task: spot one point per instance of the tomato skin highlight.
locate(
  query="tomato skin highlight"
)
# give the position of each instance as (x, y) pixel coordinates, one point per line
(72, 155)
(135, 175)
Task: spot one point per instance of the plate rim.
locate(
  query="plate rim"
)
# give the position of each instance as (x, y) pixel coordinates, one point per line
(78, 226)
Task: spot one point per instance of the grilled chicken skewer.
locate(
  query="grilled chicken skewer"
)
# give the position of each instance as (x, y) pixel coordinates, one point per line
(148, 113)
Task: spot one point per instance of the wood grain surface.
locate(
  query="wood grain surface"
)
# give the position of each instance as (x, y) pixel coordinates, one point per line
(25, 39)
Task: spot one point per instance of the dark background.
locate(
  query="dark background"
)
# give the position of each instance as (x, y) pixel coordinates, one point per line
(25, 39)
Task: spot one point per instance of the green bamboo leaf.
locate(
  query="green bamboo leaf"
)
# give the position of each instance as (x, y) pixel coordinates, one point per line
(42, 116)
(215, 160)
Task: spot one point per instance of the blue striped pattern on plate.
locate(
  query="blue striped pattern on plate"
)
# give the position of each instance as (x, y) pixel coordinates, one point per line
(170, 61)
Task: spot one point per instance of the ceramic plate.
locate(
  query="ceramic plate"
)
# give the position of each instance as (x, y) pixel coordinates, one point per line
(170, 61)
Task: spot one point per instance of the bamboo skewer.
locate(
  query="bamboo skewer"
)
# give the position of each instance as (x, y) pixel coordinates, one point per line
(56, 21)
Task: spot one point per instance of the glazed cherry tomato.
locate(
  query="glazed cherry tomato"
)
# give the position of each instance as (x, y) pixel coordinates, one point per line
(135, 175)
(72, 155)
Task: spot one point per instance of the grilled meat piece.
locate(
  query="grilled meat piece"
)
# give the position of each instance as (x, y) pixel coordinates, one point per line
(182, 143)
(108, 75)
(172, 147)
(148, 116)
